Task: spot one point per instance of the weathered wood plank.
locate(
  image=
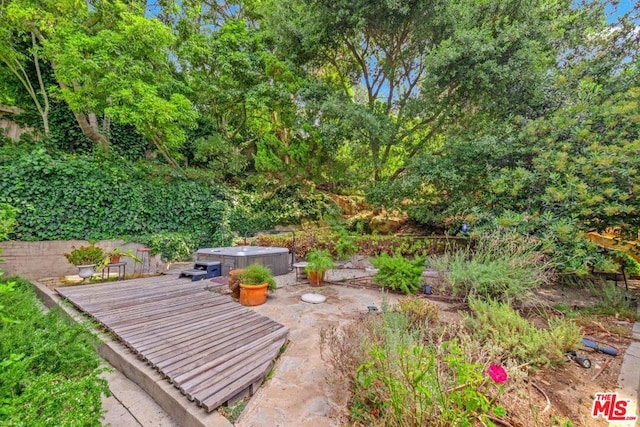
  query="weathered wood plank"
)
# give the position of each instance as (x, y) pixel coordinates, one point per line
(189, 331)
(165, 304)
(107, 287)
(197, 352)
(234, 372)
(191, 378)
(122, 302)
(208, 345)
(246, 379)
(163, 312)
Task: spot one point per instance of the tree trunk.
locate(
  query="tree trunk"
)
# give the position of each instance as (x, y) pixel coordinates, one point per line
(93, 121)
(90, 132)
(43, 112)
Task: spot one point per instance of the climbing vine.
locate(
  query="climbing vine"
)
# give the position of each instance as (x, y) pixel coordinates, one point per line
(75, 197)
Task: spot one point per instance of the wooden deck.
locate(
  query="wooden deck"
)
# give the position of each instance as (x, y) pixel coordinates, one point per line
(207, 345)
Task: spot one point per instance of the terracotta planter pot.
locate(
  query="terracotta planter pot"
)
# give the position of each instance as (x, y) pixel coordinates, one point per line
(234, 283)
(251, 295)
(316, 278)
(114, 259)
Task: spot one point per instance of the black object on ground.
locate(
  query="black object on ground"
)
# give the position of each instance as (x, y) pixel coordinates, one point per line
(203, 270)
(582, 361)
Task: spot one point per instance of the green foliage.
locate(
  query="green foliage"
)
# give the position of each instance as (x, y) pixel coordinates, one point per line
(498, 323)
(555, 176)
(50, 369)
(503, 266)
(631, 265)
(612, 298)
(172, 246)
(367, 244)
(119, 68)
(7, 220)
(346, 245)
(403, 376)
(319, 260)
(257, 274)
(218, 155)
(76, 197)
(86, 255)
(483, 60)
(398, 273)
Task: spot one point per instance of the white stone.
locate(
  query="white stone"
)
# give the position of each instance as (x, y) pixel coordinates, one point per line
(313, 298)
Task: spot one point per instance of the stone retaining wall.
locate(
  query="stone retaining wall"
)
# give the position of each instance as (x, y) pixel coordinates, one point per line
(35, 260)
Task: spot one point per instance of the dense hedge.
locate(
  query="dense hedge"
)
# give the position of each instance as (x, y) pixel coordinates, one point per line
(76, 197)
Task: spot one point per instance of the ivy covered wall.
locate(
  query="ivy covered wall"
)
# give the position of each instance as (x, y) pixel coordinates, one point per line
(62, 197)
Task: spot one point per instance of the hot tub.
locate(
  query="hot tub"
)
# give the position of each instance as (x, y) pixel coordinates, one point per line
(275, 259)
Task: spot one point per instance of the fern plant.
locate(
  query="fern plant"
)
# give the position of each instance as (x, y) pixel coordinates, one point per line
(398, 273)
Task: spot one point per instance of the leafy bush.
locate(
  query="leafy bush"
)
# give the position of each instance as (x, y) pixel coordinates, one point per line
(172, 246)
(631, 266)
(498, 323)
(50, 369)
(7, 220)
(398, 273)
(345, 246)
(503, 266)
(612, 297)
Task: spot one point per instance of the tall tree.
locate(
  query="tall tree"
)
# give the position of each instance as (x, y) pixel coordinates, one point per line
(410, 69)
(109, 60)
(244, 93)
(19, 53)
(567, 168)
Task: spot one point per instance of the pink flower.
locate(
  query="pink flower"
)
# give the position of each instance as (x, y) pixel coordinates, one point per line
(497, 374)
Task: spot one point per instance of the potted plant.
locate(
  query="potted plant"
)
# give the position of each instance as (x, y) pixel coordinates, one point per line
(255, 281)
(318, 262)
(114, 256)
(86, 258)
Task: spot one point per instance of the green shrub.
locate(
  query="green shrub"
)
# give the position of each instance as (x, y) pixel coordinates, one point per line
(345, 246)
(398, 273)
(612, 297)
(498, 323)
(501, 266)
(7, 220)
(49, 367)
(399, 376)
(172, 246)
(631, 266)
(63, 197)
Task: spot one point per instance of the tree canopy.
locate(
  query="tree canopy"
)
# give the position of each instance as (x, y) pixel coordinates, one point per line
(500, 113)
